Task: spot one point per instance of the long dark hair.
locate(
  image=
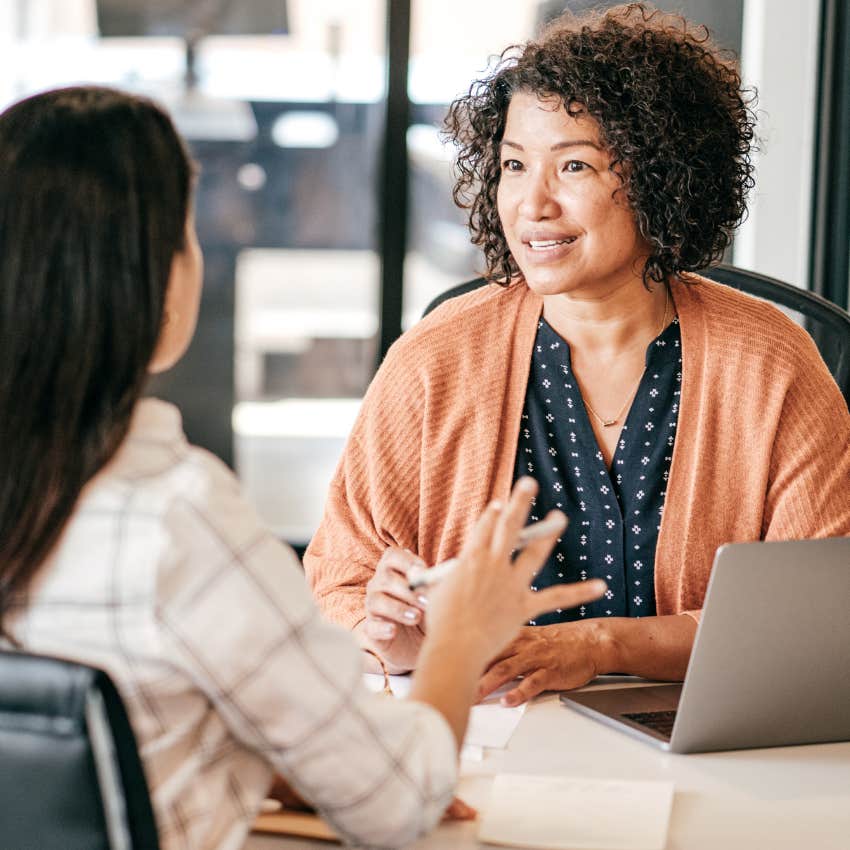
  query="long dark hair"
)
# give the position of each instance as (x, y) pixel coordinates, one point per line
(94, 192)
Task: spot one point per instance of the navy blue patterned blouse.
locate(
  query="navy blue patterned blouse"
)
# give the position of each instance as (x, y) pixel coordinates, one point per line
(614, 513)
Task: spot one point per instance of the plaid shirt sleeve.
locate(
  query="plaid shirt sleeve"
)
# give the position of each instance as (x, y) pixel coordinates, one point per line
(238, 619)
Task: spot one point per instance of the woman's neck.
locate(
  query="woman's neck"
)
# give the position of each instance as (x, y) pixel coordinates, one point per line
(607, 326)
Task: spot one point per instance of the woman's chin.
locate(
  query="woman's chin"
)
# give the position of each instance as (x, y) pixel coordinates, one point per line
(551, 284)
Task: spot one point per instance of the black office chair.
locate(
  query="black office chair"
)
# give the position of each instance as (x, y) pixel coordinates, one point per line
(70, 775)
(829, 325)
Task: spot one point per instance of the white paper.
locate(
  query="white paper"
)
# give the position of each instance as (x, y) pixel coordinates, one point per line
(563, 813)
(470, 753)
(490, 724)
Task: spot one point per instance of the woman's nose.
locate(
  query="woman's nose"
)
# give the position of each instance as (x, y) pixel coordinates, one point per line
(538, 201)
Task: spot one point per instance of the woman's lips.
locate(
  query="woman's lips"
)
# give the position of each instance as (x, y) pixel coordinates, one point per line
(547, 250)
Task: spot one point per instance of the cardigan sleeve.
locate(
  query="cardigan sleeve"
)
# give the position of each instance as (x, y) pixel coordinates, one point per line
(803, 483)
(373, 500)
(808, 491)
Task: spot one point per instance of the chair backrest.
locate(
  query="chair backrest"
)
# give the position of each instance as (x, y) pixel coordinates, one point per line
(828, 324)
(70, 774)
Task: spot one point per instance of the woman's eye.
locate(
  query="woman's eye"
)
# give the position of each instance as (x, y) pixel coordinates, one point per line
(575, 165)
(511, 165)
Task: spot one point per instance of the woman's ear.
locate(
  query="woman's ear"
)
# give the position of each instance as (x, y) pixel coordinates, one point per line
(182, 299)
(170, 317)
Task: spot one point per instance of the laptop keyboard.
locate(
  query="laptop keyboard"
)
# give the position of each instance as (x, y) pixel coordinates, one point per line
(659, 721)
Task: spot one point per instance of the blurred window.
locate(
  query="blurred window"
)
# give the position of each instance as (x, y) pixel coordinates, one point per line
(288, 129)
(282, 104)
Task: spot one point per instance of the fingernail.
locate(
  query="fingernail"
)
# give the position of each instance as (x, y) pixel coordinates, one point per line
(387, 630)
(496, 505)
(410, 614)
(508, 701)
(422, 600)
(527, 483)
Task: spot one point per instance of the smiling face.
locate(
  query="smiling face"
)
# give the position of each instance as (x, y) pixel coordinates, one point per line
(566, 228)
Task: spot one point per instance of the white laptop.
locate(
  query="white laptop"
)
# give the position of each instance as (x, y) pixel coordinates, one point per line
(771, 660)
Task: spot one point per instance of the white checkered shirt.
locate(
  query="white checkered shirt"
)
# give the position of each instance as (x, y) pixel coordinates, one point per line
(167, 579)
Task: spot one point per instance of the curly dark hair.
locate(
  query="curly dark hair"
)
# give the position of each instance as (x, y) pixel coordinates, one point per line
(671, 111)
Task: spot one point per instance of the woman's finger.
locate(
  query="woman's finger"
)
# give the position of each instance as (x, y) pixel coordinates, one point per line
(385, 607)
(287, 796)
(498, 675)
(396, 587)
(530, 686)
(533, 556)
(482, 532)
(395, 560)
(514, 517)
(564, 596)
(458, 810)
(379, 630)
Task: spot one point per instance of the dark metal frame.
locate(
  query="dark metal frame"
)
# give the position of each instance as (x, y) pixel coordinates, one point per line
(392, 240)
(829, 267)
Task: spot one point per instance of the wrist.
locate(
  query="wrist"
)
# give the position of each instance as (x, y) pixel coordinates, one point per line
(391, 662)
(605, 646)
(447, 679)
(459, 651)
(453, 636)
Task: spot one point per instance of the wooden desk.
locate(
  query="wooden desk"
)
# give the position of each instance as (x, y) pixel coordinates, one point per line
(788, 798)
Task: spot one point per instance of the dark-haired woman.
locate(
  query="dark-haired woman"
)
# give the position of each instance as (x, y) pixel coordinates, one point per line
(666, 415)
(123, 546)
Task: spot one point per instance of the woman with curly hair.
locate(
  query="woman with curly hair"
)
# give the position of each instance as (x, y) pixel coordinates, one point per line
(602, 166)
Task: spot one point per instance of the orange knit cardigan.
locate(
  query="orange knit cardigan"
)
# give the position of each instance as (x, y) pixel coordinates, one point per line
(762, 446)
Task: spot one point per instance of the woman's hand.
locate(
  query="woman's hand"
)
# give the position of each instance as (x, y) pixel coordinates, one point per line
(395, 615)
(483, 601)
(549, 658)
(478, 608)
(458, 810)
(287, 796)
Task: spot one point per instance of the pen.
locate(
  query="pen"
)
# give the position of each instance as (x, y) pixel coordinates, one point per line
(424, 577)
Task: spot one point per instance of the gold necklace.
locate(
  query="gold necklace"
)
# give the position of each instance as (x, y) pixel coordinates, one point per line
(607, 423)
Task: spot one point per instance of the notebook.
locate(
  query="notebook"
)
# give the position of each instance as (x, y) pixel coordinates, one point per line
(571, 813)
